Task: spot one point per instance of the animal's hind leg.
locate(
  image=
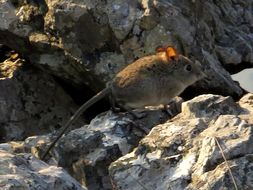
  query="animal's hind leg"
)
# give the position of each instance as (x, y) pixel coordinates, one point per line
(113, 104)
(136, 115)
(123, 107)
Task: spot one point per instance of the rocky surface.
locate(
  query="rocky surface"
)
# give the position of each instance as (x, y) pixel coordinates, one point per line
(31, 102)
(23, 171)
(88, 151)
(84, 44)
(87, 41)
(183, 152)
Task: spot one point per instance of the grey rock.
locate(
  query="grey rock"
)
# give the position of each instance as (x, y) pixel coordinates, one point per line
(179, 154)
(241, 168)
(108, 64)
(216, 77)
(77, 40)
(209, 106)
(31, 102)
(121, 15)
(183, 152)
(23, 171)
(87, 152)
(85, 43)
(228, 55)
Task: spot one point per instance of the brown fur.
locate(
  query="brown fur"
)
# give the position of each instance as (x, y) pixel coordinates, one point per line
(150, 80)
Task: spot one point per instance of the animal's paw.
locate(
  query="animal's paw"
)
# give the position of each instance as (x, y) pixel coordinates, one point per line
(138, 114)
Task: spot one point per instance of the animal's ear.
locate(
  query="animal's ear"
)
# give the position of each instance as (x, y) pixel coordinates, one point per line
(160, 49)
(171, 53)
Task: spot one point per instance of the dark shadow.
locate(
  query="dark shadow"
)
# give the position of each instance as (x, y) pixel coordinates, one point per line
(82, 94)
(233, 69)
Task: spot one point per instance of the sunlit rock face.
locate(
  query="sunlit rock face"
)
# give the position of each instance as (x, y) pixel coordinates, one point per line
(23, 171)
(183, 153)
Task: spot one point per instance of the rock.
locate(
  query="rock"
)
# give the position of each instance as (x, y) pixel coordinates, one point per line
(241, 168)
(183, 152)
(228, 55)
(121, 15)
(87, 152)
(87, 42)
(23, 171)
(32, 102)
(246, 103)
(109, 64)
(217, 77)
(179, 154)
(84, 44)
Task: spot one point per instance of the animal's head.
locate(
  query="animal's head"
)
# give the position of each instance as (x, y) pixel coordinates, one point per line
(183, 68)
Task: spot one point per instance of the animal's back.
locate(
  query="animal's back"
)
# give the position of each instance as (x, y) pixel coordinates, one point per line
(136, 85)
(154, 80)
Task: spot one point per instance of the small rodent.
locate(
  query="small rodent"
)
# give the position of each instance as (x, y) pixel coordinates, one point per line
(150, 80)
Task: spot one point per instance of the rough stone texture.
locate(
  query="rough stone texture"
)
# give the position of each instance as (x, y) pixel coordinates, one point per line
(87, 152)
(183, 153)
(31, 102)
(220, 178)
(23, 171)
(87, 42)
(179, 154)
(246, 103)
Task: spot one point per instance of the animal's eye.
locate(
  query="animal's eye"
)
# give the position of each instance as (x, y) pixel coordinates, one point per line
(188, 68)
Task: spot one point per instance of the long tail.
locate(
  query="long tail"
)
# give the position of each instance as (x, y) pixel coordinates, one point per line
(76, 115)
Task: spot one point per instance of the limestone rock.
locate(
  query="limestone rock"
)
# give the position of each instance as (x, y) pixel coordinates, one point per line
(183, 153)
(23, 171)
